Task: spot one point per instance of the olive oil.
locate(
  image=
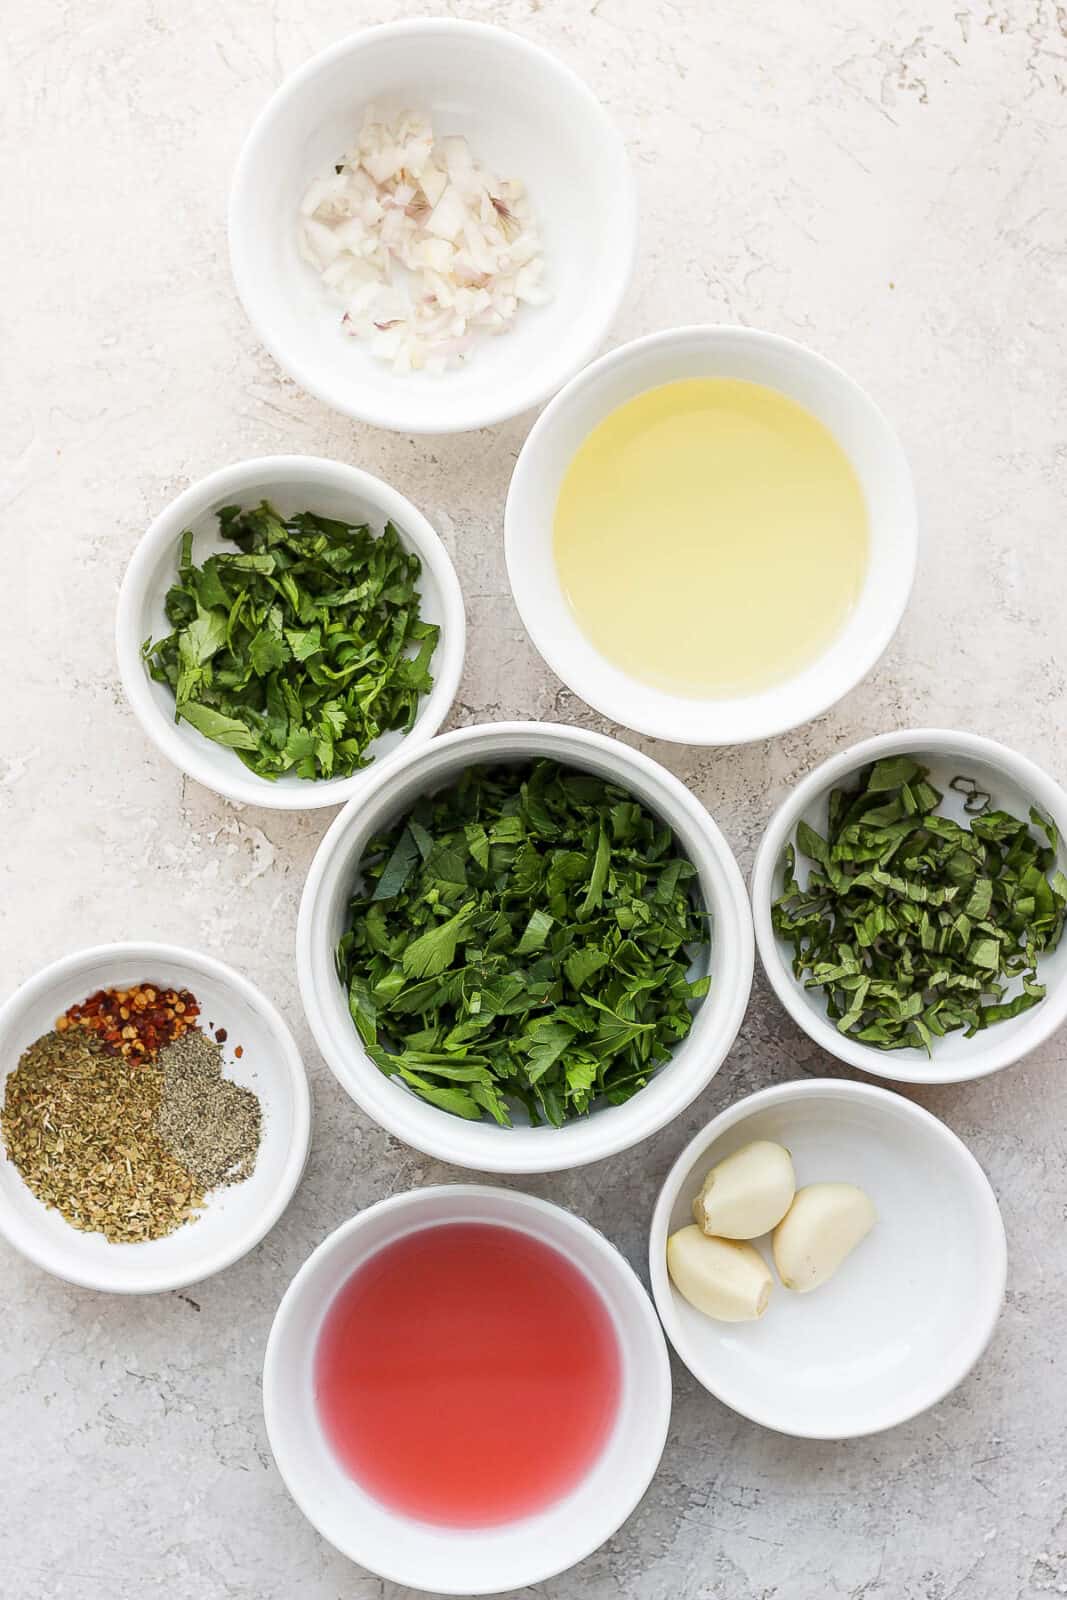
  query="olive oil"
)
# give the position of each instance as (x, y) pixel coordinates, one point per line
(711, 537)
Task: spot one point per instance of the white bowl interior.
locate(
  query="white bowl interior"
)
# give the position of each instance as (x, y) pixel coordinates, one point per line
(525, 116)
(233, 1219)
(291, 484)
(905, 1316)
(1012, 785)
(709, 352)
(607, 1128)
(464, 1561)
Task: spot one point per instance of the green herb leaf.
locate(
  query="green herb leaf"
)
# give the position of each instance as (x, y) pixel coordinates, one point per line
(222, 729)
(911, 925)
(307, 637)
(435, 950)
(528, 934)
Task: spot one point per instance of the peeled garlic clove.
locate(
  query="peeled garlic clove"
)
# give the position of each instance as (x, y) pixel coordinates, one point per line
(748, 1193)
(824, 1224)
(720, 1277)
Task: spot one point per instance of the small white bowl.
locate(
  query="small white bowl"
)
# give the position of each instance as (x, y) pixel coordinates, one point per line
(1014, 784)
(457, 1560)
(607, 1129)
(526, 116)
(905, 1317)
(291, 484)
(711, 352)
(234, 1219)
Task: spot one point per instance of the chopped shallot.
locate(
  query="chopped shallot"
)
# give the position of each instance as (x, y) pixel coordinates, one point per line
(422, 245)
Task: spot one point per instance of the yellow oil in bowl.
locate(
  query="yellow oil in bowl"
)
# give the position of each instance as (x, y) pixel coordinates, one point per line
(711, 537)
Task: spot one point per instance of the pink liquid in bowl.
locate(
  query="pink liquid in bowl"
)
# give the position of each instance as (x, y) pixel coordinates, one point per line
(467, 1375)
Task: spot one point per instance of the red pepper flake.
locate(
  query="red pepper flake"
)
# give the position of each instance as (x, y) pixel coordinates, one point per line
(239, 1052)
(135, 1022)
(221, 1035)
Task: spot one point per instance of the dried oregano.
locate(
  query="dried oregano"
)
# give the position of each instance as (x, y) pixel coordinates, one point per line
(80, 1125)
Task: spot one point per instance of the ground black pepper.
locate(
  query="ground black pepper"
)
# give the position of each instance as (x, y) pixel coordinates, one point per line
(209, 1124)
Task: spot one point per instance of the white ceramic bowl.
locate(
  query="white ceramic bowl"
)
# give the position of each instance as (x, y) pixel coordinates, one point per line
(905, 1317)
(607, 1129)
(479, 1560)
(291, 484)
(1013, 783)
(526, 115)
(711, 352)
(234, 1219)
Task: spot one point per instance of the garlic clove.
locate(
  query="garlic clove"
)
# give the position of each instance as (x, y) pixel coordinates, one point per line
(723, 1278)
(824, 1224)
(748, 1193)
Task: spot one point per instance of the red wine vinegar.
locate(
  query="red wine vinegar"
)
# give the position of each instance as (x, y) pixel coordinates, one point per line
(467, 1374)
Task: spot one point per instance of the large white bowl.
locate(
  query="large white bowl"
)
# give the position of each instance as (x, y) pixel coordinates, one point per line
(233, 1219)
(711, 352)
(905, 1317)
(1015, 784)
(527, 116)
(607, 1129)
(480, 1560)
(291, 484)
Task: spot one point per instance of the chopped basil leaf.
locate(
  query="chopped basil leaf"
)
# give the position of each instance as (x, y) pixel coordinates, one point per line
(912, 925)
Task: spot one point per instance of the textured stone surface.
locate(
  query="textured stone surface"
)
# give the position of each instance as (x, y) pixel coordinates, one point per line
(886, 183)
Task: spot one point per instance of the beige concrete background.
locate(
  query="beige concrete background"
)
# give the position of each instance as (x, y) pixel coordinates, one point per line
(884, 183)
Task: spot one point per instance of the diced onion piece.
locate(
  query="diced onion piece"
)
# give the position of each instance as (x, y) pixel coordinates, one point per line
(422, 245)
(448, 215)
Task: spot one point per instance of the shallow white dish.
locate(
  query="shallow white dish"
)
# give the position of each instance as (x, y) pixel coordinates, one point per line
(907, 1314)
(291, 484)
(234, 1219)
(711, 352)
(1014, 783)
(607, 1129)
(479, 1560)
(526, 116)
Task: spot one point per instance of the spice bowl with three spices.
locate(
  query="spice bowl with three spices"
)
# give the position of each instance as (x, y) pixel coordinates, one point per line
(285, 626)
(155, 1117)
(909, 899)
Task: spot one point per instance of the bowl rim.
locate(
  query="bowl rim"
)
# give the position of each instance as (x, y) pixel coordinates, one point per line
(24, 1236)
(985, 1055)
(364, 406)
(580, 1142)
(995, 1279)
(658, 1383)
(877, 639)
(243, 786)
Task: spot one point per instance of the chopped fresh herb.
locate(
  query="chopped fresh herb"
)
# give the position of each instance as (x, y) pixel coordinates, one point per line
(523, 936)
(298, 649)
(913, 925)
(976, 800)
